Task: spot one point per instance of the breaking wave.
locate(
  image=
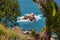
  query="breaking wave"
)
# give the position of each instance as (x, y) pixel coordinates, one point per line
(20, 19)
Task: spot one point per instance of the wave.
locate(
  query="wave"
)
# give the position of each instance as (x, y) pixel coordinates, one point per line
(20, 19)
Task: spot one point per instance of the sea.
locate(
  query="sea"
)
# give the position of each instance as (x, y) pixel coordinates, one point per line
(28, 7)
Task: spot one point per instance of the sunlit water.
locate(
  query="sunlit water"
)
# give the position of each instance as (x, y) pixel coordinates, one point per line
(28, 6)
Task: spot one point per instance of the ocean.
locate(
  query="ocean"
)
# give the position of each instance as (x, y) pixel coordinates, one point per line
(27, 7)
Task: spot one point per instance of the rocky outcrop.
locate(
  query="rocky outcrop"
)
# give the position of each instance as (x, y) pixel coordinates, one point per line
(30, 17)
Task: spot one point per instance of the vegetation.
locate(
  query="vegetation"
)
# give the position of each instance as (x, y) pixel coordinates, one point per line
(9, 10)
(11, 34)
(51, 11)
(7, 34)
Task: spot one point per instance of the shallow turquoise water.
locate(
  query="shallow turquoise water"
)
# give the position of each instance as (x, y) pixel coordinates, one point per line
(28, 6)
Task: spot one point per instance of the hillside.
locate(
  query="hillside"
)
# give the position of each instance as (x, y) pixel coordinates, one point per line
(14, 34)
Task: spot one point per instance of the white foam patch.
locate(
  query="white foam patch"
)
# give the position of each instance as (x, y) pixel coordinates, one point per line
(38, 17)
(20, 19)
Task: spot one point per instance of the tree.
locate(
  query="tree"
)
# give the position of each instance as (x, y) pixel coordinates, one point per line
(52, 14)
(9, 9)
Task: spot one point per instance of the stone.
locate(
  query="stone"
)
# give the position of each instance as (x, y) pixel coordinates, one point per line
(30, 17)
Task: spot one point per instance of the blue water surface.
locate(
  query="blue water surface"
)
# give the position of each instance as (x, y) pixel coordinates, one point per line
(28, 6)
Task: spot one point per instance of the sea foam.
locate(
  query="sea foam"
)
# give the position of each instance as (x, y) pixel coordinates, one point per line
(20, 19)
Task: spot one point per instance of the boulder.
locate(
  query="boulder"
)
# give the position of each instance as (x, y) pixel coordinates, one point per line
(26, 18)
(30, 17)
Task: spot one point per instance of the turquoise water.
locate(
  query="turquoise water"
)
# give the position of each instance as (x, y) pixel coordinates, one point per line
(28, 6)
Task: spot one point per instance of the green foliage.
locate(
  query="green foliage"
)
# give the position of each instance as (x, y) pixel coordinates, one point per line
(2, 32)
(9, 9)
(10, 34)
(33, 33)
(52, 14)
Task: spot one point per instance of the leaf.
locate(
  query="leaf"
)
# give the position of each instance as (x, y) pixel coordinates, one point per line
(54, 10)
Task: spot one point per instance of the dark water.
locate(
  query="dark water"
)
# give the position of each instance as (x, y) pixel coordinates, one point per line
(28, 6)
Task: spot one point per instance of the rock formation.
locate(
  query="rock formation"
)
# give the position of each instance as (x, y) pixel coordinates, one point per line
(30, 17)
